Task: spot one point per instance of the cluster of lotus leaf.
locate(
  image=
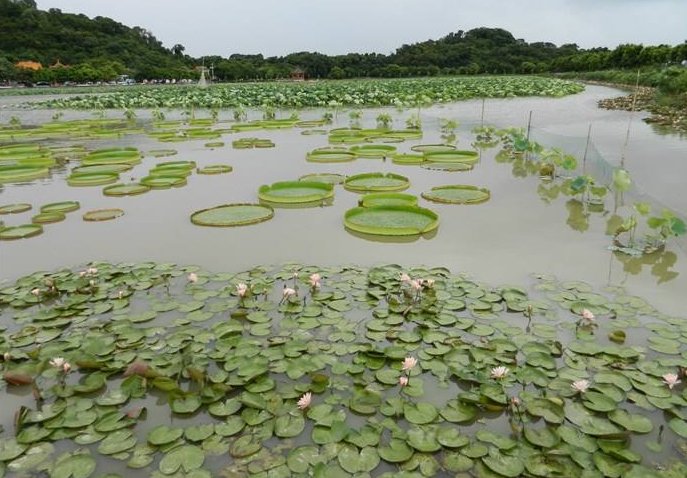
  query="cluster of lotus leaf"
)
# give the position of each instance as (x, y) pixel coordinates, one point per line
(338, 371)
(373, 92)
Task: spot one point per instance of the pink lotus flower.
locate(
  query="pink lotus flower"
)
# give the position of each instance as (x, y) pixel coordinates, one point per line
(304, 401)
(671, 379)
(409, 363)
(193, 277)
(405, 277)
(403, 380)
(66, 367)
(91, 271)
(587, 315)
(580, 386)
(288, 292)
(36, 291)
(242, 289)
(416, 285)
(58, 362)
(499, 372)
(314, 280)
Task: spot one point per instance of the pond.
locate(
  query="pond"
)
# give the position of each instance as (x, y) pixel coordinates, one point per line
(525, 234)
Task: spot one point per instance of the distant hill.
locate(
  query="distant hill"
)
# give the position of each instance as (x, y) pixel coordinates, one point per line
(49, 37)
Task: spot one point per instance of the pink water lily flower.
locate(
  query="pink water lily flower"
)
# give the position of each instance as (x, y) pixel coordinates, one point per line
(499, 372)
(36, 292)
(671, 379)
(580, 386)
(193, 277)
(66, 367)
(409, 363)
(288, 292)
(405, 277)
(314, 280)
(403, 380)
(416, 285)
(305, 400)
(91, 271)
(587, 315)
(242, 289)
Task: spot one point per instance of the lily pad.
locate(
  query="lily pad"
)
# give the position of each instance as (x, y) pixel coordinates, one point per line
(103, 214)
(20, 232)
(296, 192)
(391, 220)
(229, 215)
(457, 194)
(371, 182)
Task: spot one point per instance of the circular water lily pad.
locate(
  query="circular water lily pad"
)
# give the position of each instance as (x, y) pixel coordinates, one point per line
(457, 194)
(408, 158)
(369, 182)
(448, 167)
(159, 153)
(20, 232)
(215, 169)
(373, 150)
(103, 214)
(15, 208)
(329, 178)
(228, 215)
(427, 148)
(113, 155)
(64, 206)
(102, 168)
(455, 156)
(123, 189)
(391, 220)
(22, 173)
(92, 179)
(388, 199)
(330, 155)
(48, 217)
(296, 192)
(163, 182)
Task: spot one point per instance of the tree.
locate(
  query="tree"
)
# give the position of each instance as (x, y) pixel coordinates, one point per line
(178, 49)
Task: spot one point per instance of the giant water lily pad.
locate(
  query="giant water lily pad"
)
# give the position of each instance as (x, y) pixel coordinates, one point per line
(391, 220)
(126, 189)
(48, 217)
(457, 194)
(388, 199)
(228, 215)
(456, 156)
(432, 148)
(21, 173)
(63, 207)
(292, 192)
(371, 182)
(329, 178)
(92, 179)
(215, 169)
(373, 150)
(330, 155)
(164, 181)
(15, 208)
(103, 214)
(20, 232)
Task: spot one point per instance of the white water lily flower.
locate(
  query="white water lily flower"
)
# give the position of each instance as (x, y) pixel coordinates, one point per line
(288, 292)
(671, 379)
(242, 289)
(58, 362)
(315, 280)
(405, 277)
(580, 386)
(36, 292)
(403, 380)
(587, 315)
(499, 372)
(409, 363)
(193, 277)
(305, 400)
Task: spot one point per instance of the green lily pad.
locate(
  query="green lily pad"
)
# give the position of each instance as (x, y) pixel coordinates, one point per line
(103, 214)
(457, 194)
(63, 207)
(354, 461)
(20, 232)
(162, 435)
(186, 458)
(420, 413)
(15, 208)
(371, 182)
(502, 464)
(232, 215)
(391, 220)
(396, 452)
(74, 465)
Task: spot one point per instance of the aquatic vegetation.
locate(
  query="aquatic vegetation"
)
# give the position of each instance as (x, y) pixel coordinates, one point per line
(376, 182)
(391, 220)
(457, 194)
(375, 371)
(296, 192)
(373, 92)
(103, 214)
(229, 215)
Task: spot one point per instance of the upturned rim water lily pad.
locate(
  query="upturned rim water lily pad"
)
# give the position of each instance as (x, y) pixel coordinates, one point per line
(63, 206)
(103, 214)
(164, 181)
(230, 215)
(15, 208)
(454, 156)
(215, 169)
(331, 155)
(391, 220)
(457, 194)
(429, 148)
(376, 182)
(295, 192)
(92, 179)
(20, 232)
(372, 150)
(126, 189)
(387, 199)
(48, 217)
(20, 172)
(329, 178)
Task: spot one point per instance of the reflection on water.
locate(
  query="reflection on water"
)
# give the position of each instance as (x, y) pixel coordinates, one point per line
(393, 239)
(659, 263)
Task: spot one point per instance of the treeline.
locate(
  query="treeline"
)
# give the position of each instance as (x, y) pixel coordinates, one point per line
(82, 49)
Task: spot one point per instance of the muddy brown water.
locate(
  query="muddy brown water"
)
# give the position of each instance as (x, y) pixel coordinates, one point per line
(504, 240)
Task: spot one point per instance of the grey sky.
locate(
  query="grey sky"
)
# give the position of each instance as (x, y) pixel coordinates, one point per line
(278, 27)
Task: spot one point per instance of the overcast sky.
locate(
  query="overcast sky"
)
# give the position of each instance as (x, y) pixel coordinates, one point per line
(279, 27)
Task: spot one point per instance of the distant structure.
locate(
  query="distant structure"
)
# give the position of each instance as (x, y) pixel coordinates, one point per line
(203, 81)
(297, 75)
(28, 65)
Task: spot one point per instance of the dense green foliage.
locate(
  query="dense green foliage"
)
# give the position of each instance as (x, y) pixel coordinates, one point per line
(406, 92)
(100, 49)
